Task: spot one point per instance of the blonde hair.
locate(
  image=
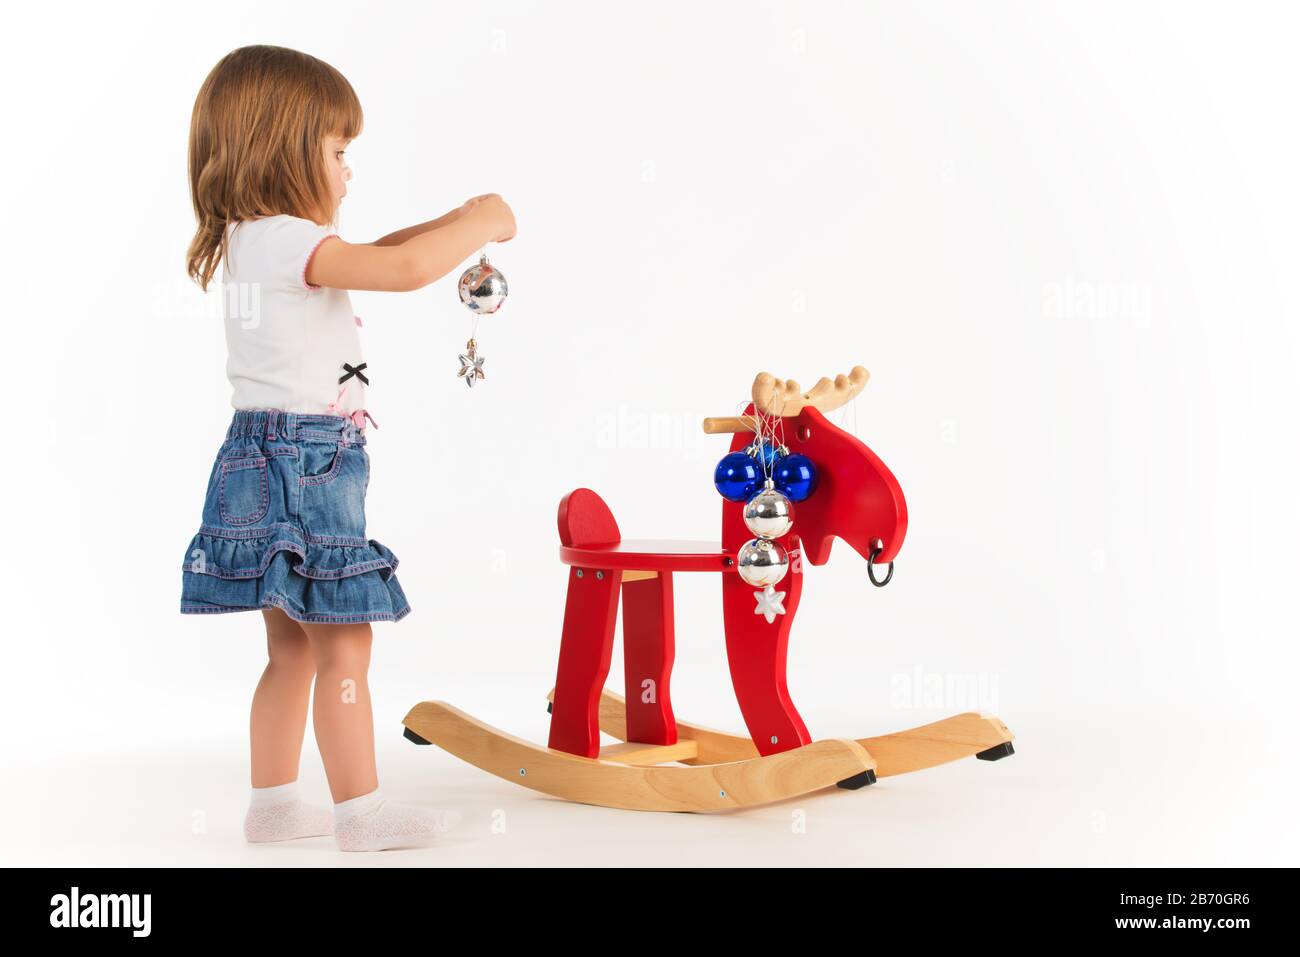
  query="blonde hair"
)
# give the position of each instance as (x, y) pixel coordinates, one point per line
(256, 137)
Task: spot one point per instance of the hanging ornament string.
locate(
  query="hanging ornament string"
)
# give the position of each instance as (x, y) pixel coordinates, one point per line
(755, 422)
(765, 442)
(769, 453)
(778, 425)
(761, 429)
(781, 425)
(769, 425)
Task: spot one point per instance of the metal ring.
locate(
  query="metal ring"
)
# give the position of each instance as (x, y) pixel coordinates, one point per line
(871, 563)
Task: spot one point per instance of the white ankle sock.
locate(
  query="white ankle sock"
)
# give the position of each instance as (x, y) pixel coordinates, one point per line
(277, 794)
(345, 810)
(372, 823)
(278, 814)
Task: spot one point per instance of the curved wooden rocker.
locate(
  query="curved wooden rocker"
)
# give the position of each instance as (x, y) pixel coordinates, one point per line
(632, 776)
(973, 734)
(665, 765)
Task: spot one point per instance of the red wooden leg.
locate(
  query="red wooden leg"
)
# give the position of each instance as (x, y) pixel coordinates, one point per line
(756, 651)
(585, 646)
(648, 659)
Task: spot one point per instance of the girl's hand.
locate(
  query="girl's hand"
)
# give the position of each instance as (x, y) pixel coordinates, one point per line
(498, 218)
(472, 202)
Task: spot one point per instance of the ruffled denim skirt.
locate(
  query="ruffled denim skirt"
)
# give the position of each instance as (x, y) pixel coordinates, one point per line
(284, 525)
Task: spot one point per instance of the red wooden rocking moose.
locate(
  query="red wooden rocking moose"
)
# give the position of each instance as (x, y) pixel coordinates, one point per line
(662, 764)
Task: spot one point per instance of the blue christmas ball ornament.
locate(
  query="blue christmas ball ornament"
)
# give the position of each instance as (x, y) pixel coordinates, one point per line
(796, 476)
(766, 454)
(737, 477)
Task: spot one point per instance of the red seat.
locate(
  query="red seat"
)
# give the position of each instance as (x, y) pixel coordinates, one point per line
(589, 537)
(649, 554)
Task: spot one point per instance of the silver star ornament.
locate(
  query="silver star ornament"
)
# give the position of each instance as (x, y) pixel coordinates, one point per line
(769, 603)
(471, 364)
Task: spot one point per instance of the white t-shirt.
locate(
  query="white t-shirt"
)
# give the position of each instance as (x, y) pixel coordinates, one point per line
(289, 342)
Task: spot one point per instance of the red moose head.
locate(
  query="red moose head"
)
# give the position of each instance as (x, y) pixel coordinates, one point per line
(856, 497)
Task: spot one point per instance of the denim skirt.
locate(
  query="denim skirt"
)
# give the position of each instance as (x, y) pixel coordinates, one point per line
(284, 525)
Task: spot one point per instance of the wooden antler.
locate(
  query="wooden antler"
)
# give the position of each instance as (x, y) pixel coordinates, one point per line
(782, 397)
(774, 396)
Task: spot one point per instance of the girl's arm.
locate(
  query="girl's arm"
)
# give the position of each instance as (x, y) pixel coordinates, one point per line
(415, 262)
(402, 235)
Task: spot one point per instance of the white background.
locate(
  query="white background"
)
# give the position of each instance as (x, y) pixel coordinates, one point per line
(1061, 236)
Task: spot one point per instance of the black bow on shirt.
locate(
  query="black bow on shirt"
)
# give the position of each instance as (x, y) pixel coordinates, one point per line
(354, 372)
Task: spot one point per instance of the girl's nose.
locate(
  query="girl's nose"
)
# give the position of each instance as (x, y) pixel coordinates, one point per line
(347, 172)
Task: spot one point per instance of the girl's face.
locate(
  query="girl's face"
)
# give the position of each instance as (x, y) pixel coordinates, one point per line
(336, 167)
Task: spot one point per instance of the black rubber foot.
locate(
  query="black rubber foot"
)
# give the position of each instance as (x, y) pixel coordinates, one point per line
(858, 780)
(997, 752)
(548, 707)
(412, 736)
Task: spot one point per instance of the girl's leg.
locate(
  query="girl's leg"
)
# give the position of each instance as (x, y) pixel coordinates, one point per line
(279, 717)
(345, 729)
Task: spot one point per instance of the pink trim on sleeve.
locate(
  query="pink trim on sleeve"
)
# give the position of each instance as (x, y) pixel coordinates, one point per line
(312, 287)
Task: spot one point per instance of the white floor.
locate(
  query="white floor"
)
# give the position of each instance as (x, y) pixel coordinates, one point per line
(1112, 794)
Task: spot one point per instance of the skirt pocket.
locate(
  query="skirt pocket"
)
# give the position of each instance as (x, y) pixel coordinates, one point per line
(319, 462)
(243, 495)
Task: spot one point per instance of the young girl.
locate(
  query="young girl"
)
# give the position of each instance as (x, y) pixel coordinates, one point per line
(283, 530)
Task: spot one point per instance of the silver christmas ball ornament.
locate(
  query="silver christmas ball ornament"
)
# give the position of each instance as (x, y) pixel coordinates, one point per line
(769, 514)
(762, 562)
(482, 288)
